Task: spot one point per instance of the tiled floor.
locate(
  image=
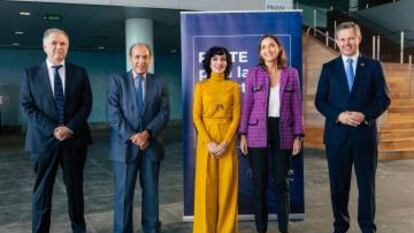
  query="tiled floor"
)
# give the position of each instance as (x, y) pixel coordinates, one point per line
(395, 193)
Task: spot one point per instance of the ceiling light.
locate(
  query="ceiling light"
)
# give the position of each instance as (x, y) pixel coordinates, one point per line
(173, 51)
(18, 33)
(25, 13)
(15, 44)
(101, 47)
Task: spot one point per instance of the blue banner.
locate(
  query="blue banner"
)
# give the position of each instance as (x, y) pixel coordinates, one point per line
(239, 32)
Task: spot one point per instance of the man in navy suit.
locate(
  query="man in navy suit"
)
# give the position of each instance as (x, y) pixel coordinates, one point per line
(137, 111)
(351, 94)
(56, 100)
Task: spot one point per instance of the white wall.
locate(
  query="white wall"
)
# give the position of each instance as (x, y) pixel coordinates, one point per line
(172, 4)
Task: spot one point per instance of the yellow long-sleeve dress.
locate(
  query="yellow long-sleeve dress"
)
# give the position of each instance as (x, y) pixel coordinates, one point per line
(216, 116)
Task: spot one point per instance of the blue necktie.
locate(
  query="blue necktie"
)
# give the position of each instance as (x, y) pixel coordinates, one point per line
(138, 85)
(59, 99)
(350, 73)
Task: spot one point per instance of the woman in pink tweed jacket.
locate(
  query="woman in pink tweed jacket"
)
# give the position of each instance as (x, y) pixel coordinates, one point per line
(271, 127)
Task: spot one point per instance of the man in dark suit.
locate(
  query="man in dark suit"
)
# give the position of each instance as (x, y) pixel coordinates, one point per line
(56, 99)
(137, 111)
(351, 94)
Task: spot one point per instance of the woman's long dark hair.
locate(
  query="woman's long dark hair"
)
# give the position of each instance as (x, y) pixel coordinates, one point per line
(281, 59)
(211, 52)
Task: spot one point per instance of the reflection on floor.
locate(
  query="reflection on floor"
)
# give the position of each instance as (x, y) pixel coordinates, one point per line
(395, 193)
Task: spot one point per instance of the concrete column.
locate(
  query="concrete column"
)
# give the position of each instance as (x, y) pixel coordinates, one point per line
(139, 30)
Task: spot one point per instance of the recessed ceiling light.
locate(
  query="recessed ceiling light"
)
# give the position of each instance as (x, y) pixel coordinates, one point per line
(18, 33)
(25, 13)
(173, 50)
(101, 47)
(15, 44)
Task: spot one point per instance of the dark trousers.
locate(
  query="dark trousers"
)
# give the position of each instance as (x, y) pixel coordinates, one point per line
(72, 161)
(280, 164)
(125, 175)
(340, 161)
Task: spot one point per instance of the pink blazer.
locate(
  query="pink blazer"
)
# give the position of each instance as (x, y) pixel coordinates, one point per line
(255, 107)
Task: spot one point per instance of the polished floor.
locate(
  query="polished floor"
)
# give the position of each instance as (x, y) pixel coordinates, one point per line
(395, 193)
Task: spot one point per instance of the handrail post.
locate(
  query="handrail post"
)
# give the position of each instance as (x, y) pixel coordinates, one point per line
(373, 47)
(402, 48)
(327, 38)
(314, 22)
(335, 25)
(378, 47)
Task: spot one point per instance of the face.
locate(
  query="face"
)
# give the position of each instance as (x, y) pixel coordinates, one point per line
(140, 59)
(269, 50)
(218, 64)
(348, 41)
(56, 47)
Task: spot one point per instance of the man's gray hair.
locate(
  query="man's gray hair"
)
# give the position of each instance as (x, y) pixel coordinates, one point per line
(49, 31)
(346, 25)
(140, 44)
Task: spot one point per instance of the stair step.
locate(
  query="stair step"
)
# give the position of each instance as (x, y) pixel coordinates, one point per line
(395, 155)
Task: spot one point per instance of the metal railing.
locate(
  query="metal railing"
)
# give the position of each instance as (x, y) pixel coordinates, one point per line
(382, 33)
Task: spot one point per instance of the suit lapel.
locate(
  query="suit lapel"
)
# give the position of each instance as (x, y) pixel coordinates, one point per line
(69, 78)
(282, 82)
(360, 70)
(340, 72)
(131, 90)
(149, 90)
(47, 86)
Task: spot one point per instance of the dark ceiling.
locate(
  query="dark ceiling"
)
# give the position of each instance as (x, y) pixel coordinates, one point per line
(89, 26)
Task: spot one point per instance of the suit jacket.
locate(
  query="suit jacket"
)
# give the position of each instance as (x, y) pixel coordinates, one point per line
(255, 108)
(38, 106)
(369, 95)
(125, 119)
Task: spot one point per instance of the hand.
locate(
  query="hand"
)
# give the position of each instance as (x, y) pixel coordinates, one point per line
(144, 146)
(243, 145)
(221, 149)
(140, 138)
(212, 147)
(62, 133)
(297, 146)
(358, 117)
(347, 119)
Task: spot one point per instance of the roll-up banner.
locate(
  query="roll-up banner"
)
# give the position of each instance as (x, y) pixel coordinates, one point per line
(239, 32)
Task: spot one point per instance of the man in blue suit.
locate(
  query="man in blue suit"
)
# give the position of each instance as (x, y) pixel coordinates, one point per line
(137, 111)
(351, 94)
(56, 99)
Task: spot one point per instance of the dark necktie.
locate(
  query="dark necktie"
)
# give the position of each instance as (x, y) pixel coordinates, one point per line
(59, 99)
(138, 85)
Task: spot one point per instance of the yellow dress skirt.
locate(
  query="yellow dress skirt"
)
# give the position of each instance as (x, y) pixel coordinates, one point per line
(216, 116)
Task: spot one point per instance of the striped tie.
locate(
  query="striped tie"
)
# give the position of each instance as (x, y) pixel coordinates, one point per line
(138, 85)
(59, 99)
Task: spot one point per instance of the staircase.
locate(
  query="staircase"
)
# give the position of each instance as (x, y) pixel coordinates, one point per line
(396, 126)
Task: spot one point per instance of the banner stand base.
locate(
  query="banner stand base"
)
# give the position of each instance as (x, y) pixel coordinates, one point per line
(250, 217)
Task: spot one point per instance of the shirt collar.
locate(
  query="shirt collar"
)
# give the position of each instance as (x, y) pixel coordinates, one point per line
(354, 58)
(134, 75)
(50, 64)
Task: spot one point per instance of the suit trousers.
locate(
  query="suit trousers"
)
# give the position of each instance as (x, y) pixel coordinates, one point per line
(280, 161)
(340, 161)
(125, 175)
(71, 159)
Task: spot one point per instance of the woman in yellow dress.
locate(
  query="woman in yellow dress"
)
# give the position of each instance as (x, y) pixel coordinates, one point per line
(216, 116)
